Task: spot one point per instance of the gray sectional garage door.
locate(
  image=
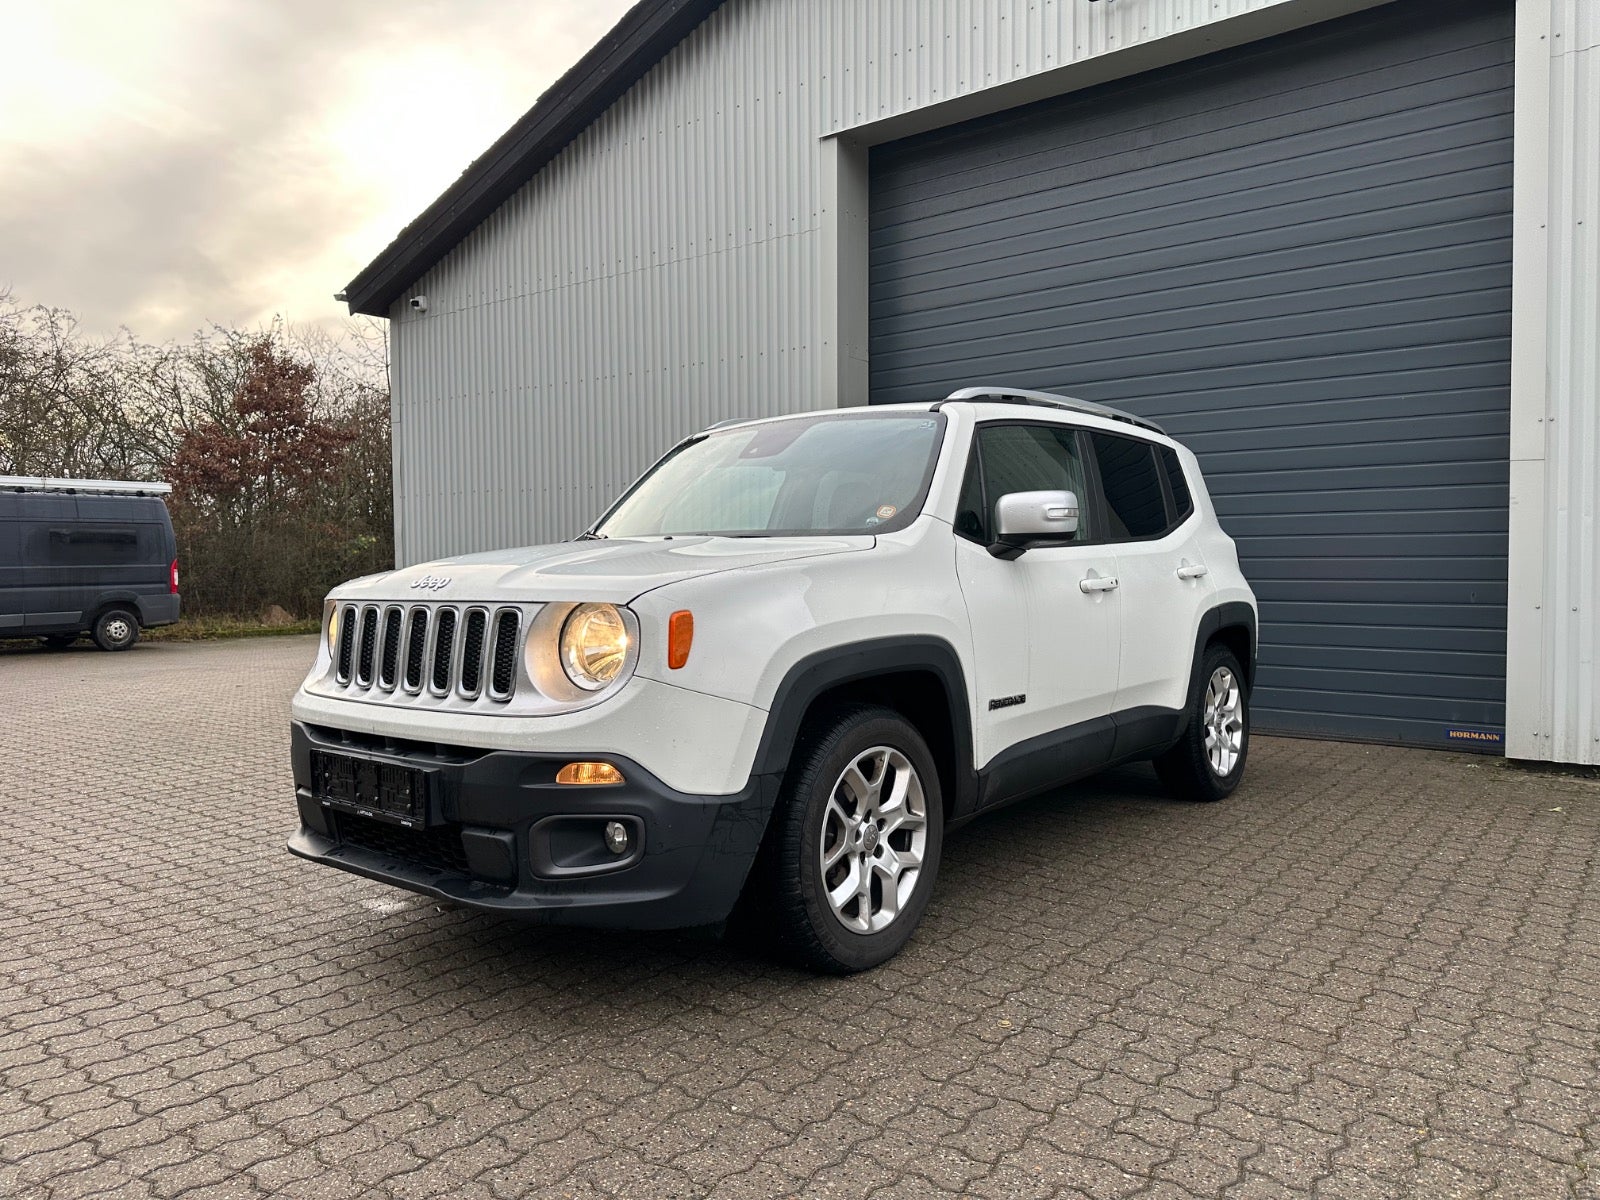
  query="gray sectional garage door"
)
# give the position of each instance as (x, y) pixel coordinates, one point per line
(1296, 256)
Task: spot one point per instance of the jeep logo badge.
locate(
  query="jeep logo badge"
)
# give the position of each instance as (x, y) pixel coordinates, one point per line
(432, 582)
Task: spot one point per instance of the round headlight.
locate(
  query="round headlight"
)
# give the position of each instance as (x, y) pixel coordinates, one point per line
(594, 645)
(332, 611)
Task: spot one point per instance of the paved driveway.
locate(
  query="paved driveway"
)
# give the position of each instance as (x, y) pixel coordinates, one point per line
(1373, 972)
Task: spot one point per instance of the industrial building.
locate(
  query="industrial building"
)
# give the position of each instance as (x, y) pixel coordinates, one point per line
(1346, 250)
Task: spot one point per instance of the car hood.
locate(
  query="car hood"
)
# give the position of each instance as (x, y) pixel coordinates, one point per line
(614, 570)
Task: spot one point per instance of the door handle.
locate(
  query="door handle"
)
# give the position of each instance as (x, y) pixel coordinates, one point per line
(1192, 572)
(1096, 583)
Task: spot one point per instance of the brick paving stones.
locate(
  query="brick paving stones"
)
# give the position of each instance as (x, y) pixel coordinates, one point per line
(1373, 972)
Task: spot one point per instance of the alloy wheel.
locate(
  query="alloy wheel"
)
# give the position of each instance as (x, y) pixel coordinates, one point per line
(1223, 719)
(874, 835)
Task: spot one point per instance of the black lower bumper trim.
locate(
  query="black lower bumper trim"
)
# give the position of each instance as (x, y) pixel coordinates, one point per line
(483, 846)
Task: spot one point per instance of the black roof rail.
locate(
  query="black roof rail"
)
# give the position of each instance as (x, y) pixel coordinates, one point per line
(1009, 395)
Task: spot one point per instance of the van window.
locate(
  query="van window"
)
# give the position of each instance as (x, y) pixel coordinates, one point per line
(94, 545)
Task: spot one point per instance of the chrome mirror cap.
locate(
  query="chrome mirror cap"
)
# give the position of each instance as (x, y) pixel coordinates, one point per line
(1026, 516)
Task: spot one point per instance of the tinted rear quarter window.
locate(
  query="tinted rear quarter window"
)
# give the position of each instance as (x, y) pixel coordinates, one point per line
(1136, 506)
(1182, 502)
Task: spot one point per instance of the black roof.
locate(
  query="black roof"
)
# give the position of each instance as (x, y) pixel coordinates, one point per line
(644, 36)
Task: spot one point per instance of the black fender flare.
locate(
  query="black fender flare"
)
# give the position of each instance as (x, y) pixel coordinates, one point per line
(1234, 614)
(818, 673)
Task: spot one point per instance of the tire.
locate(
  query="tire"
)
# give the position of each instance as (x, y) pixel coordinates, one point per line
(821, 814)
(58, 641)
(116, 629)
(1208, 761)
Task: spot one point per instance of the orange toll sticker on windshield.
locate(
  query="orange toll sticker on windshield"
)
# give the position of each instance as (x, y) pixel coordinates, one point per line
(886, 511)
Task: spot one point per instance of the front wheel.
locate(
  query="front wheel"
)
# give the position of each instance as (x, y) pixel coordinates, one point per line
(1208, 761)
(860, 828)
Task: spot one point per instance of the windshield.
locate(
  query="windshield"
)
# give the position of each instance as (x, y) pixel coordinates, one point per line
(855, 473)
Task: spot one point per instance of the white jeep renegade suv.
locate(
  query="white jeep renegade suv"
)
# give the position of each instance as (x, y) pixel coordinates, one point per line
(783, 664)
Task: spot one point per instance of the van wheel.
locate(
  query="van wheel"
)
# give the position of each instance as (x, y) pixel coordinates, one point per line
(1208, 761)
(860, 825)
(59, 641)
(116, 629)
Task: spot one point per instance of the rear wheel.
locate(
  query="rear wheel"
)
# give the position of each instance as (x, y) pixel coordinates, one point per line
(859, 830)
(1208, 761)
(116, 629)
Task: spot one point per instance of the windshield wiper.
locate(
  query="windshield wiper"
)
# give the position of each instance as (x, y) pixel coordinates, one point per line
(589, 535)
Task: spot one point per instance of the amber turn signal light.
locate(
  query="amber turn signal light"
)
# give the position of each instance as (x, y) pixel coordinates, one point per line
(587, 774)
(680, 636)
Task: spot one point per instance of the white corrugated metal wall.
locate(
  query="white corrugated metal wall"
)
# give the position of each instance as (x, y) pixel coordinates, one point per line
(665, 271)
(671, 268)
(1553, 617)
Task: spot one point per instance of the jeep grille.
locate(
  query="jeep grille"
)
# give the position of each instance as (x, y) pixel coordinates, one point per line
(416, 646)
(469, 652)
(503, 679)
(472, 652)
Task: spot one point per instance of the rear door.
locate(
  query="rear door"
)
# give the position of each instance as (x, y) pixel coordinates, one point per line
(1148, 519)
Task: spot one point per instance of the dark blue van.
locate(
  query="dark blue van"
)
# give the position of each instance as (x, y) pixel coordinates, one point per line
(83, 556)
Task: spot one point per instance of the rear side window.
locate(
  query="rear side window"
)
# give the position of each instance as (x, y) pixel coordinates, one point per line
(95, 545)
(1182, 502)
(1136, 505)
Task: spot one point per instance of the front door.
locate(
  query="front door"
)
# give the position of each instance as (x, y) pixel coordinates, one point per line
(1045, 647)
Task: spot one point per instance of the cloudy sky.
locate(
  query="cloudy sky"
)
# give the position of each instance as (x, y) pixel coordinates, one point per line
(169, 163)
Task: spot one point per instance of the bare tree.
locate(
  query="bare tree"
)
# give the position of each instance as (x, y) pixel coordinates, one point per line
(277, 442)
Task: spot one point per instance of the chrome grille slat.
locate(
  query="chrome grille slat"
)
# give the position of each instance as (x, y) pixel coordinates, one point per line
(503, 671)
(389, 656)
(444, 651)
(474, 638)
(416, 647)
(348, 630)
(366, 651)
(446, 654)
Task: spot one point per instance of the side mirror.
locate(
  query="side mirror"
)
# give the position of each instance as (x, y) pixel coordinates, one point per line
(1025, 519)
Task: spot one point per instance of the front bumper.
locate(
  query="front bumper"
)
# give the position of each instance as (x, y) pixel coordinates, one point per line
(504, 831)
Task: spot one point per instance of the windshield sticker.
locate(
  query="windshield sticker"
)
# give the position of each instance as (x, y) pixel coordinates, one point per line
(887, 511)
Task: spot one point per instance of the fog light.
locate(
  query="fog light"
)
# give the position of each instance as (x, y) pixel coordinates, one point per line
(586, 774)
(616, 837)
